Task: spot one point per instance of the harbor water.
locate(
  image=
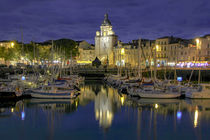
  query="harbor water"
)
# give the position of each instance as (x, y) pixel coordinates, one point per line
(100, 112)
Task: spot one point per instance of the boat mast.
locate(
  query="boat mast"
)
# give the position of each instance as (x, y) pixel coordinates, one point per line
(150, 63)
(175, 75)
(22, 44)
(155, 65)
(139, 61)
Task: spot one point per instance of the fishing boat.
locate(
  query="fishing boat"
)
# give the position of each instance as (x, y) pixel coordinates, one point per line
(53, 92)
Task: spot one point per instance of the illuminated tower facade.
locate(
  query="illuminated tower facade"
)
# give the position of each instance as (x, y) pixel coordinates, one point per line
(104, 42)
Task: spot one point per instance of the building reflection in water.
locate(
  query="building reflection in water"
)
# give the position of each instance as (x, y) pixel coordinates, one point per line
(106, 102)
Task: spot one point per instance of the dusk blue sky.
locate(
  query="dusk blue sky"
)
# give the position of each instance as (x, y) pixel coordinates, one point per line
(42, 20)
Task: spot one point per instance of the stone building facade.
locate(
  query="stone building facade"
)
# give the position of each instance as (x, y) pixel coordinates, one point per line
(105, 41)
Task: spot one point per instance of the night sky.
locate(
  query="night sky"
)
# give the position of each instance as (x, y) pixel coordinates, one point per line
(42, 20)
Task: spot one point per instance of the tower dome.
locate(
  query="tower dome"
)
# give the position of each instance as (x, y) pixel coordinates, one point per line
(106, 21)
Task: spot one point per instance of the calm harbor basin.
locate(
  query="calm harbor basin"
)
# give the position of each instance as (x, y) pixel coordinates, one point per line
(100, 112)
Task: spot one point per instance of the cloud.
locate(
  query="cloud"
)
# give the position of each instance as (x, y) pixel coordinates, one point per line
(80, 19)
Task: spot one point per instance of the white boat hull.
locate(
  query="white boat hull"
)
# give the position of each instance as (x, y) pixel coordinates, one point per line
(159, 95)
(45, 95)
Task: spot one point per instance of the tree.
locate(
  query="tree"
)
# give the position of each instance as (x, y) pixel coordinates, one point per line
(44, 53)
(66, 48)
(7, 54)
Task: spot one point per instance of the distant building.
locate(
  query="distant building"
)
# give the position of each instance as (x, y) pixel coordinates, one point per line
(105, 40)
(7, 44)
(86, 53)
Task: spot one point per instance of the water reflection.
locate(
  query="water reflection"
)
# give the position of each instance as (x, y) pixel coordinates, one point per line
(106, 102)
(12, 108)
(100, 106)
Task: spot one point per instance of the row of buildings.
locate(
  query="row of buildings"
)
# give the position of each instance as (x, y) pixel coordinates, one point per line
(164, 51)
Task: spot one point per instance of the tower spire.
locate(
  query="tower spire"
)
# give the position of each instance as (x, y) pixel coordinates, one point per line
(106, 21)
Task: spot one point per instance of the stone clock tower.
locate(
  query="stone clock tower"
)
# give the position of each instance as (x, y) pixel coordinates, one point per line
(104, 42)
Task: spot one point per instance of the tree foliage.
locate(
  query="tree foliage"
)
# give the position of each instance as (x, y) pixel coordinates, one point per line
(62, 49)
(66, 48)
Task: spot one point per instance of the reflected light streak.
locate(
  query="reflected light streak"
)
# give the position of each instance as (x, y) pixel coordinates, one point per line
(179, 115)
(23, 116)
(156, 106)
(76, 103)
(196, 118)
(122, 100)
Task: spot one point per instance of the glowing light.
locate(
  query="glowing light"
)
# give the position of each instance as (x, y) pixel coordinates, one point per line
(157, 47)
(108, 114)
(76, 103)
(122, 100)
(196, 118)
(97, 33)
(179, 115)
(23, 78)
(84, 62)
(97, 114)
(23, 116)
(56, 61)
(171, 63)
(179, 79)
(197, 41)
(12, 44)
(122, 51)
(12, 109)
(156, 106)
